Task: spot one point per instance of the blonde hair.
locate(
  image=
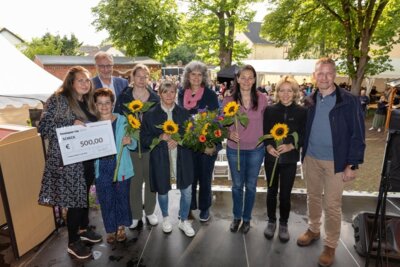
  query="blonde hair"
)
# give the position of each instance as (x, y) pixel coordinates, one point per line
(136, 68)
(325, 60)
(293, 84)
(101, 54)
(165, 85)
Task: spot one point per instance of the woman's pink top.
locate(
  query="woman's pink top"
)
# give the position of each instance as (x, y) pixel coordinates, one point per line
(254, 130)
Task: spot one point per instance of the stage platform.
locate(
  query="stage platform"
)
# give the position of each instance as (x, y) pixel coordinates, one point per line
(213, 244)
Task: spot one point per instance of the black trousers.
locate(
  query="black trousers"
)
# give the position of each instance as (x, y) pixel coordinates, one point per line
(203, 170)
(283, 180)
(78, 218)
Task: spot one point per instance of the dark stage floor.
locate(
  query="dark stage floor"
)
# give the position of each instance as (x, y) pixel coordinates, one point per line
(213, 245)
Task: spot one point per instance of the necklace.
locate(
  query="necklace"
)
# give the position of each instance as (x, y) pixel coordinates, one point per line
(142, 97)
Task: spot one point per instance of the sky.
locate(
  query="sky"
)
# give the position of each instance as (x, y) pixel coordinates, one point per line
(33, 18)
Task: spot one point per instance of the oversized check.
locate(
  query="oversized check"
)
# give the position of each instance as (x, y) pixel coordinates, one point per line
(80, 143)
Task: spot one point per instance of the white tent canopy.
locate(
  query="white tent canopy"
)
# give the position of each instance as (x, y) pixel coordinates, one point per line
(299, 67)
(20, 77)
(304, 67)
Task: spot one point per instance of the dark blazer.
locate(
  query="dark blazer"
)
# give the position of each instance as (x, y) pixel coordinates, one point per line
(119, 84)
(295, 117)
(348, 129)
(209, 100)
(160, 172)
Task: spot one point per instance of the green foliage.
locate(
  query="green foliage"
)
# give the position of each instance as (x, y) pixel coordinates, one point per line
(50, 44)
(141, 27)
(360, 33)
(182, 52)
(211, 29)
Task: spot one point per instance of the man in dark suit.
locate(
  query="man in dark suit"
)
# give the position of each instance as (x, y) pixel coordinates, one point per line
(104, 66)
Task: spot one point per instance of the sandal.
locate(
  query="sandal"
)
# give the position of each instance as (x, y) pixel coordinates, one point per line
(121, 235)
(110, 238)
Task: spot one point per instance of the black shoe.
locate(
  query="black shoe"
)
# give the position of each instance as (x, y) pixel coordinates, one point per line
(204, 215)
(235, 225)
(245, 227)
(79, 250)
(284, 233)
(90, 236)
(269, 231)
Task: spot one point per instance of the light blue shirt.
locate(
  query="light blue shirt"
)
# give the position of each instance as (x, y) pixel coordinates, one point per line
(320, 142)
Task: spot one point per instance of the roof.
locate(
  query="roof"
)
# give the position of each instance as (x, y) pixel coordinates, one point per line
(88, 60)
(253, 33)
(4, 29)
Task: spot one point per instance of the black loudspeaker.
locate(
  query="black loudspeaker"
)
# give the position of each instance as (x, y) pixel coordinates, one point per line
(394, 158)
(363, 224)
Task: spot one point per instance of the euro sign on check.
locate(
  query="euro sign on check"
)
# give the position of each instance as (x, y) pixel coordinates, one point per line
(84, 142)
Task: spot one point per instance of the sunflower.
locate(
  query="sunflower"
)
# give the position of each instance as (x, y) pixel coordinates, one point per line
(189, 127)
(231, 109)
(218, 133)
(202, 138)
(205, 127)
(135, 106)
(279, 131)
(135, 123)
(170, 127)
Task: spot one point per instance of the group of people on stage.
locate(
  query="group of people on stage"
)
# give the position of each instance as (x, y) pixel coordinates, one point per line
(329, 129)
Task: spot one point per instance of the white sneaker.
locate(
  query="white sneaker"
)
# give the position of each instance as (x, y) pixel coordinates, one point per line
(379, 130)
(166, 225)
(134, 224)
(371, 128)
(187, 228)
(153, 220)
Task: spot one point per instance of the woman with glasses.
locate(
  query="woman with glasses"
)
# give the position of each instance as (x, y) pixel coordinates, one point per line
(67, 186)
(114, 195)
(139, 90)
(252, 103)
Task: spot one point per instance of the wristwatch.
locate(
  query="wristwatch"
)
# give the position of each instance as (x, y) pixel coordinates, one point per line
(354, 167)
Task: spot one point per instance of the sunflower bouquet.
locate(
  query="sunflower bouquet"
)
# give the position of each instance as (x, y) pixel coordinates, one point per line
(204, 130)
(136, 109)
(168, 127)
(232, 115)
(279, 132)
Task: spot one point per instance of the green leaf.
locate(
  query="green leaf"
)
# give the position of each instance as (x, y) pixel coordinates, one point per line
(154, 143)
(244, 120)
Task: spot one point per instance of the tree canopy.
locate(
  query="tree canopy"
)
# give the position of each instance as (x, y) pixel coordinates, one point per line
(50, 44)
(211, 29)
(141, 27)
(358, 33)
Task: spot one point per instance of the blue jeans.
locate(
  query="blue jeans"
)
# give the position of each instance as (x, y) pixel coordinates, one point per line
(250, 163)
(184, 205)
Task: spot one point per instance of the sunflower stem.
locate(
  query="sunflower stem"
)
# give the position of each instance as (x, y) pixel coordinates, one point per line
(118, 163)
(273, 172)
(238, 144)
